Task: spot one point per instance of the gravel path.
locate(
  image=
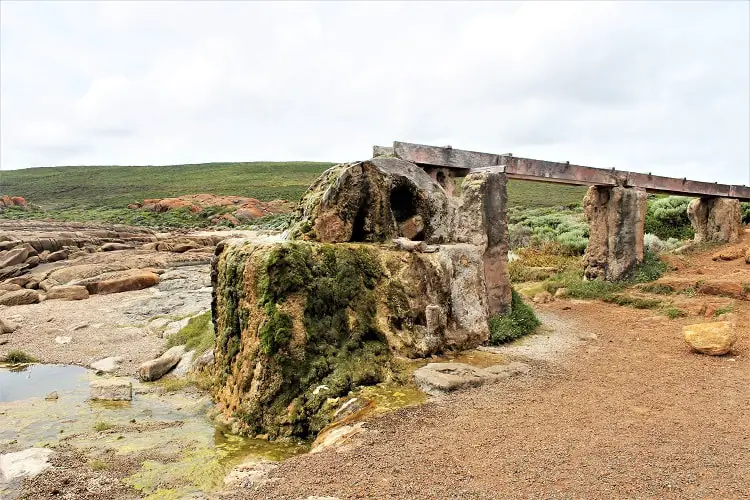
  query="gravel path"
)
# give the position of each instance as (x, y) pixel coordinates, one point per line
(627, 412)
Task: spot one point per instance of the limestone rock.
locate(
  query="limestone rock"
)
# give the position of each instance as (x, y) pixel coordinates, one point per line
(107, 365)
(186, 361)
(111, 389)
(715, 219)
(19, 297)
(205, 360)
(69, 292)
(335, 437)
(440, 378)
(27, 463)
(157, 368)
(616, 218)
(714, 338)
(374, 201)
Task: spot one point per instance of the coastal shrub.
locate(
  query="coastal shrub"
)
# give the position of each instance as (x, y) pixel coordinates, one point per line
(538, 227)
(520, 321)
(18, 356)
(667, 218)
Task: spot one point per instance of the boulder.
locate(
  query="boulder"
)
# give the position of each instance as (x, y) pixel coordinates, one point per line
(714, 338)
(335, 437)
(111, 247)
(157, 368)
(374, 201)
(57, 256)
(716, 219)
(204, 361)
(111, 389)
(19, 297)
(337, 313)
(32, 261)
(119, 281)
(19, 280)
(14, 257)
(186, 361)
(10, 287)
(440, 378)
(616, 217)
(27, 463)
(69, 292)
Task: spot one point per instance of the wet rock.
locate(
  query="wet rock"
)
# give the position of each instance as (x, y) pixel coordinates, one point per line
(157, 368)
(715, 219)
(441, 378)
(111, 247)
(350, 408)
(112, 389)
(107, 365)
(68, 292)
(27, 463)
(714, 338)
(19, 297)
(336, 437)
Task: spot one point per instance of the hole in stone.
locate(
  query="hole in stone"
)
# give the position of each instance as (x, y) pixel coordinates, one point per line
(403, 203)
(358, 228)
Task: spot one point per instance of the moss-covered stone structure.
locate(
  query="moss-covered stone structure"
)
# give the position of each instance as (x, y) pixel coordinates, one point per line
(302, 321)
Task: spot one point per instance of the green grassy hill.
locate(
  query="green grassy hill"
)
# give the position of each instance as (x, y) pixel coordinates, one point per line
(116, 186)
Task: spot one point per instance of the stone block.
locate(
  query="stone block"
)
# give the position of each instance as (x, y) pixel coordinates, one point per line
(112, 389)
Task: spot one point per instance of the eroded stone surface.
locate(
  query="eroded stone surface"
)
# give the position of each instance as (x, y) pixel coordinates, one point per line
(715, 338)
(715, 219)
(27, 463)
(112, 389)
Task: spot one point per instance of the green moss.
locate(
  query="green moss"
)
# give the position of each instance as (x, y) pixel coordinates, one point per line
(343, 347)
(519, 322)
(197, 335)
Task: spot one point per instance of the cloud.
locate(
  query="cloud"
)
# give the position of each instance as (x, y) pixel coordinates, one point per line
(652, 87)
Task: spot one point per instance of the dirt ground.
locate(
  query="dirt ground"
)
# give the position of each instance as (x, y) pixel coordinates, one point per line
(627, 411)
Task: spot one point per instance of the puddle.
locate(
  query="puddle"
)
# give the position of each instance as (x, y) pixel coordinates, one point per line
(30, 381)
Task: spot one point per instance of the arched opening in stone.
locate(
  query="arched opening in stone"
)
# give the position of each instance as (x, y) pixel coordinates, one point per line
(358, 226)
(403, 203)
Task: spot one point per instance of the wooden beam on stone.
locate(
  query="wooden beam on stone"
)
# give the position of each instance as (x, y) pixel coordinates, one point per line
(558, 172)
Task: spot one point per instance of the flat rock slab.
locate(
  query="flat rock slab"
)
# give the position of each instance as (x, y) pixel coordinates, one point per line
(69, 292)
(107, 365)
(112, 389)
(441, 378)
(19, 298)
(26, 463)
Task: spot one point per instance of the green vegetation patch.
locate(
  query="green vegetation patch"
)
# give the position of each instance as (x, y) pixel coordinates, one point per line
(17, 356)
(563, 228)
(197, 335)
(519, 322)
(667, 218)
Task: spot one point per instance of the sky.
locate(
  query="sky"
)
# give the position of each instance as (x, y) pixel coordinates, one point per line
(660, 87)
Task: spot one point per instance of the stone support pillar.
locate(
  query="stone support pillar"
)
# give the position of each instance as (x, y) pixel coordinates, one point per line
(481, 220)
(616, 217)
(716, 219)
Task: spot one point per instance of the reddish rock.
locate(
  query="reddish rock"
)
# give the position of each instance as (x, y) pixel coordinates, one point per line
(121, 281)
(70, 292)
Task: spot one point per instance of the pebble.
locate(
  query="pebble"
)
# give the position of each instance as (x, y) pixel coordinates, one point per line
(63, 339)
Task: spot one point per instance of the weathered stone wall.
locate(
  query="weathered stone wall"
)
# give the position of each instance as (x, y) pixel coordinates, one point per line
(716, 219)
(616, 218)
(299, 322)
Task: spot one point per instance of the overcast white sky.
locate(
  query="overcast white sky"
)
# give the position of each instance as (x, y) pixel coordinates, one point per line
(646, 86)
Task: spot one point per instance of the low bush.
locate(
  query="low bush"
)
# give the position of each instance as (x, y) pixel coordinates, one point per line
(520, 321)
(745, 208)
(564, 227)
(18, 356)
(667, 218)
(656, 245)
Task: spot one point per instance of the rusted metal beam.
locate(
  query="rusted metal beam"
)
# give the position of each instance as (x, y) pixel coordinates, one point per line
(565, 173)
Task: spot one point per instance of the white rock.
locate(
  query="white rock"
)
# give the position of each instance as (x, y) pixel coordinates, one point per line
(107, 365)
(317, 390)
(184, 365)
(335, 437)
(113, 389)
(26, 463)
(63, 339)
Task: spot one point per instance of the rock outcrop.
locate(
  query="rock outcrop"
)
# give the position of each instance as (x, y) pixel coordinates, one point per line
(616, 217)
(715, 338)
(715, 219)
